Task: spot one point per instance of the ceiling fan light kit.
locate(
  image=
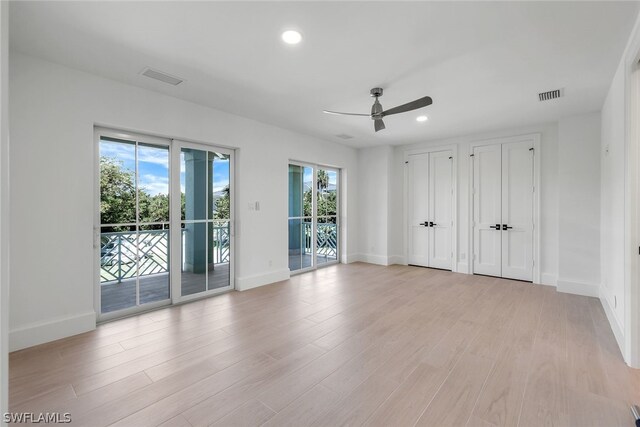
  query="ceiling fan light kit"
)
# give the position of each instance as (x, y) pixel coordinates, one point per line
(377, 112)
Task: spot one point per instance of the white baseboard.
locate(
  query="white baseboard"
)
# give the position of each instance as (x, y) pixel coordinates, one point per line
(42, 332)
(586, 289)
(349, 258)
(374, 259)
(396, 259)
(250, 282)
(616, 328)
(548, 279)
(462, 267)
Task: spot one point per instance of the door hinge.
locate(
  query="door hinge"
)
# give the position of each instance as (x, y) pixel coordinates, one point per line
(471, 155)
(531, 149)
(450, 158)
(406, 162)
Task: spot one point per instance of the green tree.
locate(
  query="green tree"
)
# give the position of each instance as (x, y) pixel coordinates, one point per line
(223, 206)
(117, 192)
(322, 180)
(118, 198)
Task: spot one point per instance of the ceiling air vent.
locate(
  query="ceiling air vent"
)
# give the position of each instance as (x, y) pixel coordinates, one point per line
(163, 77)
(344, 136)
(552, 94)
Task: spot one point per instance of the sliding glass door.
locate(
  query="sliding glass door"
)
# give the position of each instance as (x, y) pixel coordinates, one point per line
(313, 216)
(164, 217)
(326, 216)
(205, 242)
(134, 223)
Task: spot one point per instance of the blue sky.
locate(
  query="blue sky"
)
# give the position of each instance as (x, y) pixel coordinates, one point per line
(153, 166)
(308, 173)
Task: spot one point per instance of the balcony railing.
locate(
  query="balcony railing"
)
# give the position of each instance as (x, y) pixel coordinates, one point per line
(119, 252)
(327, 239)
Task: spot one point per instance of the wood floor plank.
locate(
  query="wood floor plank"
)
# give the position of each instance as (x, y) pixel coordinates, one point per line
(357, 406)
(456, 398)
(409, 400)
(310, 407)
(252, 413)
(344, 345)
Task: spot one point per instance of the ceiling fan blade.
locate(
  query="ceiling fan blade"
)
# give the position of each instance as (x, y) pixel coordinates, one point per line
(413, 105)
(345, 114)
(378, 124)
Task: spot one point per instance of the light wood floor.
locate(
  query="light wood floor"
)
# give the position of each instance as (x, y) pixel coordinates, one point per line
(346, 345)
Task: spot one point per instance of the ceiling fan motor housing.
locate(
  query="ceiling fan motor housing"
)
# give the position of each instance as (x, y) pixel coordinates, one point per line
(376, 91)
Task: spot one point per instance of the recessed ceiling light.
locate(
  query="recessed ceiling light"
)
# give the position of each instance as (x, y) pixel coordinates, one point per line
(291, 37)
(422, 118)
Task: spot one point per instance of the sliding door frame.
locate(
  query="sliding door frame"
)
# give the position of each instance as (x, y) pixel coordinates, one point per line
(176, 224)
(97, 302)
(535, 141)
(314, 215)
(175, 221)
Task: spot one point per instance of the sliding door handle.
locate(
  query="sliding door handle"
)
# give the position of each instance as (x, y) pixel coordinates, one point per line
(497, 226)
(426, 223)
(431, 224)
(505, 227)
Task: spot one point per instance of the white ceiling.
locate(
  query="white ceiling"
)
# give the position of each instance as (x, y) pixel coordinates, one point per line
(482, 63)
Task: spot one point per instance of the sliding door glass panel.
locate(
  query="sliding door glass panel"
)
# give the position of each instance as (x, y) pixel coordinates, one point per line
(117, 181)
(153, 221)
(193, 184)
(118, 268)
(219, 214)
(134, 216)
(327, 219)
(300, 217)
(219, 253)
(153, 252)
(206, 212)
(194, 258)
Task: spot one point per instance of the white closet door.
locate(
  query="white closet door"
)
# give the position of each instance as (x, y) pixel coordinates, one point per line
(517, 210)
(440, 204)
(417, 208)
(487, 211)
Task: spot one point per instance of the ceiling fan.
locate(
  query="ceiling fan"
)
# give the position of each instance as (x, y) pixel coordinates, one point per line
(377, 113)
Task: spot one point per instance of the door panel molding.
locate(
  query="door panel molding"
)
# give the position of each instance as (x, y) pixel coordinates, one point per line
(534, 140)
(431, 232)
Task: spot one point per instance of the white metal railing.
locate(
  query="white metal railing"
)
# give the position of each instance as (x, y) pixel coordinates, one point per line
(119, 252)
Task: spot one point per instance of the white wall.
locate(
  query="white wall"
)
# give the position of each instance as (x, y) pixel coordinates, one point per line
(53, 112)
(620, 210)
(612, 206)
(4, 206)
(549, 195)
(579, 204)
(373, 201)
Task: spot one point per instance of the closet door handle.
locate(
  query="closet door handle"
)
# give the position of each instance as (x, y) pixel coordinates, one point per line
(426, 224)
(497, 226)
(504, 227)
(431, 224)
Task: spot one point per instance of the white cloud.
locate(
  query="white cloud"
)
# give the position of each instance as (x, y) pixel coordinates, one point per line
(154, 184)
